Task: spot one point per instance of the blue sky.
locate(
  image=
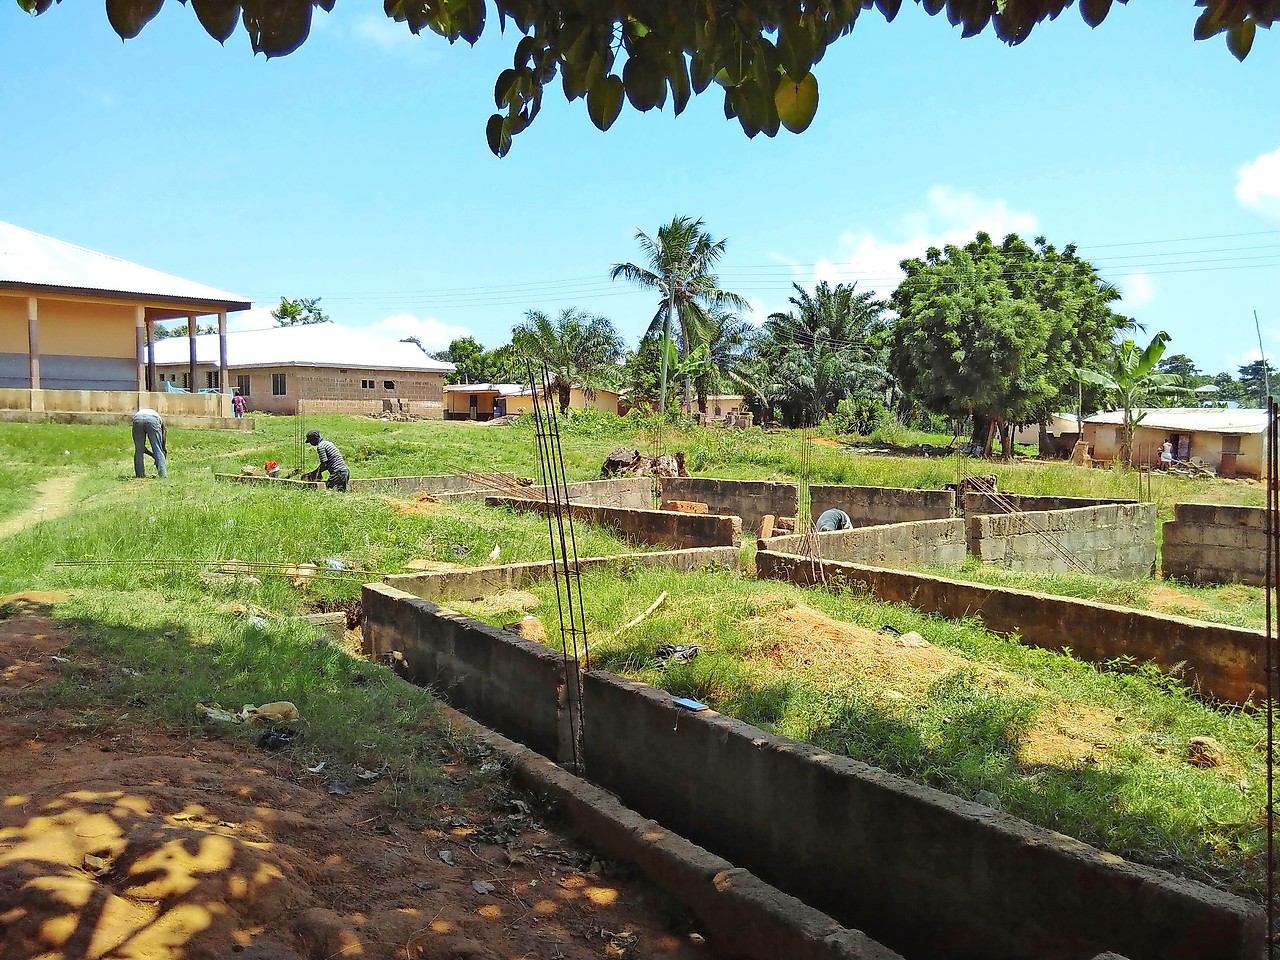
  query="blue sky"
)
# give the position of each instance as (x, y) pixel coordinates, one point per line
(356, 169)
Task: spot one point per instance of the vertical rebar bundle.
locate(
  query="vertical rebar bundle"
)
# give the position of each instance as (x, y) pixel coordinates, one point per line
(564, 551)
(1273, 688)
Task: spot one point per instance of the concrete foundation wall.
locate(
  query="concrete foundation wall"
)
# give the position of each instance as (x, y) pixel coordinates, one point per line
(659, 528)
(925, 543)
(924, 873)
(867, 506)
(975, 503)
(1223, 662)
(515, 686)
(749, 499)
(875, 506)
(1114, 540)
(1204, 543)
(473, 583)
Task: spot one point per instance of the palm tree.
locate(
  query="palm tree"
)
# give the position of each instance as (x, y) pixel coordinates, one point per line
(727, 344)
(820, 353)
(681, 260)
(579, 349)
(1131, 377)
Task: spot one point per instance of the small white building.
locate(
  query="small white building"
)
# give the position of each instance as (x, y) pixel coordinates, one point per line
(1232, 442)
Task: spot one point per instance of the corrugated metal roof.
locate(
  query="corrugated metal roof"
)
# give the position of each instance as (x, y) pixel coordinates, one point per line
(29, 259)
(501, 389)
(1192, 419)
(306, 345)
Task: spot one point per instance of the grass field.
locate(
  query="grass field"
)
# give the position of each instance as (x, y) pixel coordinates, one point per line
(1098, 754)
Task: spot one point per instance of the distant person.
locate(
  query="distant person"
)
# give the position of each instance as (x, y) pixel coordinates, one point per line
(237, 405)
(148, 427)
(834, 519)
(1166, 454)
(330, 461)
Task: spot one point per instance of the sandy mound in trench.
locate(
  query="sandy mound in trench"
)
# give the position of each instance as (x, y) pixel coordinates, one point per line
(802, 638)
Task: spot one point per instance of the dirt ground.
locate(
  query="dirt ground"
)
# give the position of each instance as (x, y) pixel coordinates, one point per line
(123, 841)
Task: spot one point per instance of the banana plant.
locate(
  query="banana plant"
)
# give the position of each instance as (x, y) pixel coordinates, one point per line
(1130, 378)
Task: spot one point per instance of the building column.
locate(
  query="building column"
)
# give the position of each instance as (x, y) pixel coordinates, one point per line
(223, 386)
(191, 339)
(151, 356)
(33, 343)
(140, 332)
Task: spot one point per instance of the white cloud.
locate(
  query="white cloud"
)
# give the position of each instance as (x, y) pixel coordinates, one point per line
(384, 32)
(949, 216)
(1136, 289)
(256, 318)
(433, 334)
(1258, 185)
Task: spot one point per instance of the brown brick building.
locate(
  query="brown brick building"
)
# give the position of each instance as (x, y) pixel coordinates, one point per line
(332, 369)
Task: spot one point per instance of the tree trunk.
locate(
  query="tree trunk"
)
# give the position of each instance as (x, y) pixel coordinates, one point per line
(1005, 431)
(1045, 441)
(563, 392)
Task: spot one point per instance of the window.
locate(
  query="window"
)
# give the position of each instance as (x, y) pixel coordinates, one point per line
(211, 380)
(186, 381)
(242, 384)
(366, 384)
(389, 384)
(1231, 445)
(277, 385)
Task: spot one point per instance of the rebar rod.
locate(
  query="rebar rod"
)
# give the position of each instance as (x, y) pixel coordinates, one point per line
(1272, 565)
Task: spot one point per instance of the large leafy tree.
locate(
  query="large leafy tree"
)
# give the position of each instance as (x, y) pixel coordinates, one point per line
(1132, 378)
(579, 349)
(993, 331)
(821, 351)
(728, 344)
(647, 52)
(680, 263)
(1255, 377)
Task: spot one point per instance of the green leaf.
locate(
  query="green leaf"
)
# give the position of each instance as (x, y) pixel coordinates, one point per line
(1207, 25)
(128, 17)
(1094, 11)
(680, 91)
(645, 83)
(505, 86)
(498, 136)
(797, 102)
(218, 17)
(1240, 38)
(889, 8)
(277, 27)
(795, 51)
(702, 70)
(469, 20)
(604, 100)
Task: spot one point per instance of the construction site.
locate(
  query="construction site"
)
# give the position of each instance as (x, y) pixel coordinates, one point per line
(780, 848)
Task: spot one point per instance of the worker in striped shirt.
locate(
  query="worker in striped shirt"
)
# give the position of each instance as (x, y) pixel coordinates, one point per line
(330, 461)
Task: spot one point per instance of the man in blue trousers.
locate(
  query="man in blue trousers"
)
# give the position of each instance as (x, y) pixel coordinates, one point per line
(147, 426)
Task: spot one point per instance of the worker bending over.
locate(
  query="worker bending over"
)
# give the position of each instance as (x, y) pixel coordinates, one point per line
(330, 461)
(834, 519)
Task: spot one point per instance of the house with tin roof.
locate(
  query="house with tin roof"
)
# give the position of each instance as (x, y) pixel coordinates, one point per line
(309, 368)
(1229, 441)
(75, 326)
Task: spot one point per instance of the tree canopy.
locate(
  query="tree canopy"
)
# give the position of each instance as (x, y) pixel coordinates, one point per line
(579, 349)
(995, 331)
(761, 53)
(296, 313)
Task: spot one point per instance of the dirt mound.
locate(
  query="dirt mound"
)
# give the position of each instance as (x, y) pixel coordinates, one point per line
(801, 638)
(125, 841)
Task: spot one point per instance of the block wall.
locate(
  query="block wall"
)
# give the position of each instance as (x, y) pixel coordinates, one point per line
(925, 543)
(1113, 540)
(1205, 543)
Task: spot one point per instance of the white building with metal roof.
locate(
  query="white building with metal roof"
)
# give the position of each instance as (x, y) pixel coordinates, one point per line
(326, 367)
